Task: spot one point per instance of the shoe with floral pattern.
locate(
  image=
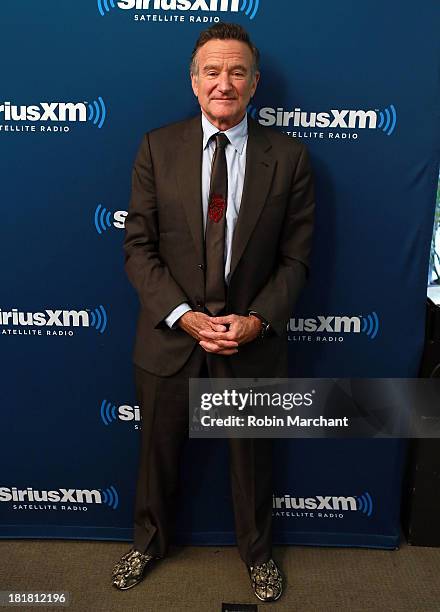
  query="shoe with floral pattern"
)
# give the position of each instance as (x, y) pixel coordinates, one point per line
(130, 570)
(266, 580)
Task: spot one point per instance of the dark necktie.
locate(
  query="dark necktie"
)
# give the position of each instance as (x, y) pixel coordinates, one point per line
(215, 290)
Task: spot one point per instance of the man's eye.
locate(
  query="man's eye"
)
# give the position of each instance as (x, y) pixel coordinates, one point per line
(212, 73)
(239, 74)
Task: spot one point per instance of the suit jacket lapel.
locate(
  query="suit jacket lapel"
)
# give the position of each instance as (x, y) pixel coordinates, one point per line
(260, 167)
(189, 180)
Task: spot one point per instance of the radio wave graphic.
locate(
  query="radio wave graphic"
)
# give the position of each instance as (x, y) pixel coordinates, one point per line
(99, 319)
(252, 111)
(250, 8)
(110, 497)
(108, 412)
(365, 504)
(103, 5)
(388, 120)
(102, 219)
(370, 325)
(97, 112)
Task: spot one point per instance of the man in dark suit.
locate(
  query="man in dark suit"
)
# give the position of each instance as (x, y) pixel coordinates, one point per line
(217, 246)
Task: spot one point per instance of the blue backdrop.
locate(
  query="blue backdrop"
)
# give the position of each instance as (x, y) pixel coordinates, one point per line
(81, 82)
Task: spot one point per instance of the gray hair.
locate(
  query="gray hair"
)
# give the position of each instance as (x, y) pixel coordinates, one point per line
(224, 31)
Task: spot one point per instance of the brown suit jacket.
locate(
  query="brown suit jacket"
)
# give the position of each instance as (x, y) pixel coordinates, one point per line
(165, 253)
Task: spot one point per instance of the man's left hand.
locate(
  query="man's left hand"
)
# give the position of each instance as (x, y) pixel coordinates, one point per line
(241, 330)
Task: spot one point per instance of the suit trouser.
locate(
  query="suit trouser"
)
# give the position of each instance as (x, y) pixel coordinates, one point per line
(164, 408)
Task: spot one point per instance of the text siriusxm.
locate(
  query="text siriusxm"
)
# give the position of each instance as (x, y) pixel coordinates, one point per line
(48, 318)
(319, 502)
(330, 324)
(87, 496)
(45, 111)
(181, 5)
(350, 119)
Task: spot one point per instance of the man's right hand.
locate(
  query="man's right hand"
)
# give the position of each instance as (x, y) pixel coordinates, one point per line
(193, 322)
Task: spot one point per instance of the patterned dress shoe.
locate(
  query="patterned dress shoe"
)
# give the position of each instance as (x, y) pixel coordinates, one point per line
(129, 571)
(266, 580)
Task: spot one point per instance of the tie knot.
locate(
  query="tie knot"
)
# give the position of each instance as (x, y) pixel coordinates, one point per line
(221, 140)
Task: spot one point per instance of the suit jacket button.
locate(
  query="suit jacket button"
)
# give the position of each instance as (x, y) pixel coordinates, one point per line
(199, 304)
(201, 266)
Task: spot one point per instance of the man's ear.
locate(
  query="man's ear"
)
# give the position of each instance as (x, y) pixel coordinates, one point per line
(195, 84)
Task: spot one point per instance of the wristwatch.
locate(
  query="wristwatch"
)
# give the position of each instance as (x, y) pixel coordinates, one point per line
(265, 326)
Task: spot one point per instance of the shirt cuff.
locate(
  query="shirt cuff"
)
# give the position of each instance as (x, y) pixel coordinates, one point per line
(175, 314)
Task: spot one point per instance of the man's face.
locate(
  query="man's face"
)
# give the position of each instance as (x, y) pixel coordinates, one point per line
(225, 82)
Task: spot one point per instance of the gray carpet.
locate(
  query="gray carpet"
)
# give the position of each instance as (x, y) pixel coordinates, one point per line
(200, 579)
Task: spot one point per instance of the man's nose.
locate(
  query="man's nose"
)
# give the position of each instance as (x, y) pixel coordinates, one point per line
(224, 82)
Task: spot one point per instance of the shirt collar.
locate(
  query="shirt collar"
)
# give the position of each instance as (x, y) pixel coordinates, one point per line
(237, 135)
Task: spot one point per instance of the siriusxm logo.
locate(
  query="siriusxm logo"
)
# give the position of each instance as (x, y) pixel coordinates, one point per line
(104, 219)
(368, 324)
(108, 496)
(96, 318)
(94, 112)
(361, 503)
(346, 119)
(247, 7)
(110, 412)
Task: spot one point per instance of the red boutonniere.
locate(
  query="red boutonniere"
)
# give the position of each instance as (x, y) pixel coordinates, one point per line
(216, 207)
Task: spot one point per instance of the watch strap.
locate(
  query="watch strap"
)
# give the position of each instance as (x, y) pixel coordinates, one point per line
(265, 325)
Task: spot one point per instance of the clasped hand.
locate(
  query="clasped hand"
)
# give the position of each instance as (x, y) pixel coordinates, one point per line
(221, 335)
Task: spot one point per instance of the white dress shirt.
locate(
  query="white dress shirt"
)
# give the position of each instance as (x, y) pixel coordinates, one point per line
(235, 152)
